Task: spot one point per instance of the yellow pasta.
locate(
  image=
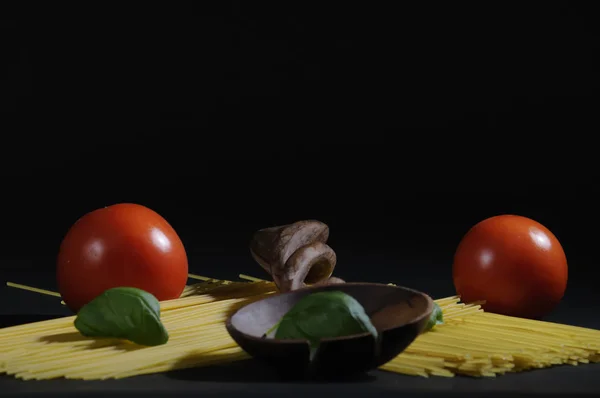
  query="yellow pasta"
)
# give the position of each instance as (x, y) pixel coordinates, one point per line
(471, 342)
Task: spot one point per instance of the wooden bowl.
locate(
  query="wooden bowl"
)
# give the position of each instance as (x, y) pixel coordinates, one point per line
(399, 314)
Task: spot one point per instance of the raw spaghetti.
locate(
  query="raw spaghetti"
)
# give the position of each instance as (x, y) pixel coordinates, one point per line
(471, 342)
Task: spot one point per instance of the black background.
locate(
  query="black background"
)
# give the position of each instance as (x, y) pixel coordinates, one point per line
(400, 127)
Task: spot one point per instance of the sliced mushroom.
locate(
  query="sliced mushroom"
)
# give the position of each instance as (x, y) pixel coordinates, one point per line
(295, 254)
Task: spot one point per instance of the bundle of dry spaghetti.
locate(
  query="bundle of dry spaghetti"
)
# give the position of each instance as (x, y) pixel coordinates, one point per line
(471, 342)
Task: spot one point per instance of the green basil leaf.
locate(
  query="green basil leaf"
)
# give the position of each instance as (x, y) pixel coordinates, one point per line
(436, 318)
(124, 313)
(324, 315)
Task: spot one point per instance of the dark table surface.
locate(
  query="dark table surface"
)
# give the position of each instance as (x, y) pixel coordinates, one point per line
(248, 378)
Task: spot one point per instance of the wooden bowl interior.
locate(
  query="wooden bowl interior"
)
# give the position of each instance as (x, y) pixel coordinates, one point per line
(388, 306)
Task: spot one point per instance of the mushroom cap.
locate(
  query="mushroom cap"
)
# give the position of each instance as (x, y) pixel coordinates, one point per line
(275, 245)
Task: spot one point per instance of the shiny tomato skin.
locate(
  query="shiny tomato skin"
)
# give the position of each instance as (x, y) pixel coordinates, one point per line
(120, 245)
(513, 263)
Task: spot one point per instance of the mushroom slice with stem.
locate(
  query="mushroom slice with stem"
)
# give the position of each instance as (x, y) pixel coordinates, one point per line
(295, 254)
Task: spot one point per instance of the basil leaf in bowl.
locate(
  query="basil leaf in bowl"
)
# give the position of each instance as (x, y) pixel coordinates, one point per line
(323, 315)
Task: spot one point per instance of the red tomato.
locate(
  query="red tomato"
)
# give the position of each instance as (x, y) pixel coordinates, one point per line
(117, 246)
(513, 263)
